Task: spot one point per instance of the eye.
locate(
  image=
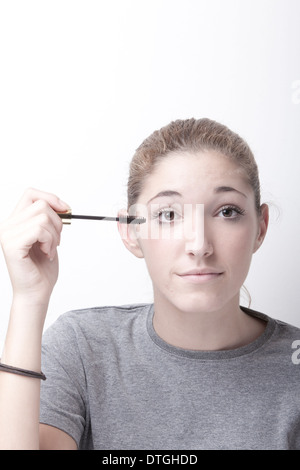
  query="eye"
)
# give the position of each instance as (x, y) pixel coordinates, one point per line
(167, 216)
(231, 212)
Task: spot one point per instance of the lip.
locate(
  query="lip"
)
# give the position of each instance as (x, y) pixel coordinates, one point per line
(200, 275)
(200, 272)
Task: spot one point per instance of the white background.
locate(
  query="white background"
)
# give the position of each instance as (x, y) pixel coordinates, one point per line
(82, 83)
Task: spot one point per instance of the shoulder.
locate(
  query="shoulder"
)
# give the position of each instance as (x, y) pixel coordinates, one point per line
(97, 321)
(284, 327)
(110, 314)
(288, 334)
(280, 338)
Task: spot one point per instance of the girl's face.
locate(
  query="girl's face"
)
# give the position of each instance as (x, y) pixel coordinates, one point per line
(201, 231)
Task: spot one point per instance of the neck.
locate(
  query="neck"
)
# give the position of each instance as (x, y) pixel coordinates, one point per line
(227, 328)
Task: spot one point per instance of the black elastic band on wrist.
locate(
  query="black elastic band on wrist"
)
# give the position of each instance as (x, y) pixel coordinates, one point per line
(24, 372)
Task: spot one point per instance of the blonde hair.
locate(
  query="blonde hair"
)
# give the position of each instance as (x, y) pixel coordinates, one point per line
(190, 135)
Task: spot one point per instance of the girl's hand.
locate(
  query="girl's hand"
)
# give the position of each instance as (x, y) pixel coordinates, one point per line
(29, 240)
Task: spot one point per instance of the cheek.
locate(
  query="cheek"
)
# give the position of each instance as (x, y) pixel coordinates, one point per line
(238, 249)
(159, 256)
(240, 234)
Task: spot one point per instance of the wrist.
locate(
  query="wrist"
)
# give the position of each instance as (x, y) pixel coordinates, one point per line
(22, 347)
(30, 304)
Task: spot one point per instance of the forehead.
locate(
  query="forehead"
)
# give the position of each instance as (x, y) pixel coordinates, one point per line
(188, 172)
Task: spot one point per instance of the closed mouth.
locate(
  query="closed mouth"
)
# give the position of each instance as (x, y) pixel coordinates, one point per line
(200, 276)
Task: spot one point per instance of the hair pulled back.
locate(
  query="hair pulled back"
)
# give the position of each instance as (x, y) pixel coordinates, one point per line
(190, 135)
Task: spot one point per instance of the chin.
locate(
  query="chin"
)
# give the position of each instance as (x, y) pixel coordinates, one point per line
(197, 304)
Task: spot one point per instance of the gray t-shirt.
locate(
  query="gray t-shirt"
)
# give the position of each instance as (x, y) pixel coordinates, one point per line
(113, 383)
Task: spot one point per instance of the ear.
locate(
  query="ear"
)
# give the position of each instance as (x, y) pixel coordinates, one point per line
(263, 223)
(129, 235)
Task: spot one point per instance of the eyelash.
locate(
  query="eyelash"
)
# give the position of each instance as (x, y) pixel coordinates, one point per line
(166, 210)
(239, 213)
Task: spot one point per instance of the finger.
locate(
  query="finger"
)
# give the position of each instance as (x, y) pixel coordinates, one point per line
(48, 233)
(50, 216)
(32, 195)
(37, 215)
(38, 208)
(37, 230)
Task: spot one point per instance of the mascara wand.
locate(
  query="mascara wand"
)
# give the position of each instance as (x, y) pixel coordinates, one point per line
(127, 219)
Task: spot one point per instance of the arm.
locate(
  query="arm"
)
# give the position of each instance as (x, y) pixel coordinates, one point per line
(29, 240)
(54, 439)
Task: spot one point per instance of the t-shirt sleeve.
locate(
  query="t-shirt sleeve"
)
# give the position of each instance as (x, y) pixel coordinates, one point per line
(63, 403)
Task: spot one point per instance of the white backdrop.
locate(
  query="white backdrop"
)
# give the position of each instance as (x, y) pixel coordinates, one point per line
(82, 83)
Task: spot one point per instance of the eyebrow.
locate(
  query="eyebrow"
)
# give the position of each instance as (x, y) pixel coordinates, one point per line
(227, 189)
(219, 189)
(167, 193)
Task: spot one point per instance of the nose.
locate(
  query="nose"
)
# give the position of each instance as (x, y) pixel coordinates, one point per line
(199, 249)
(198, 240)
